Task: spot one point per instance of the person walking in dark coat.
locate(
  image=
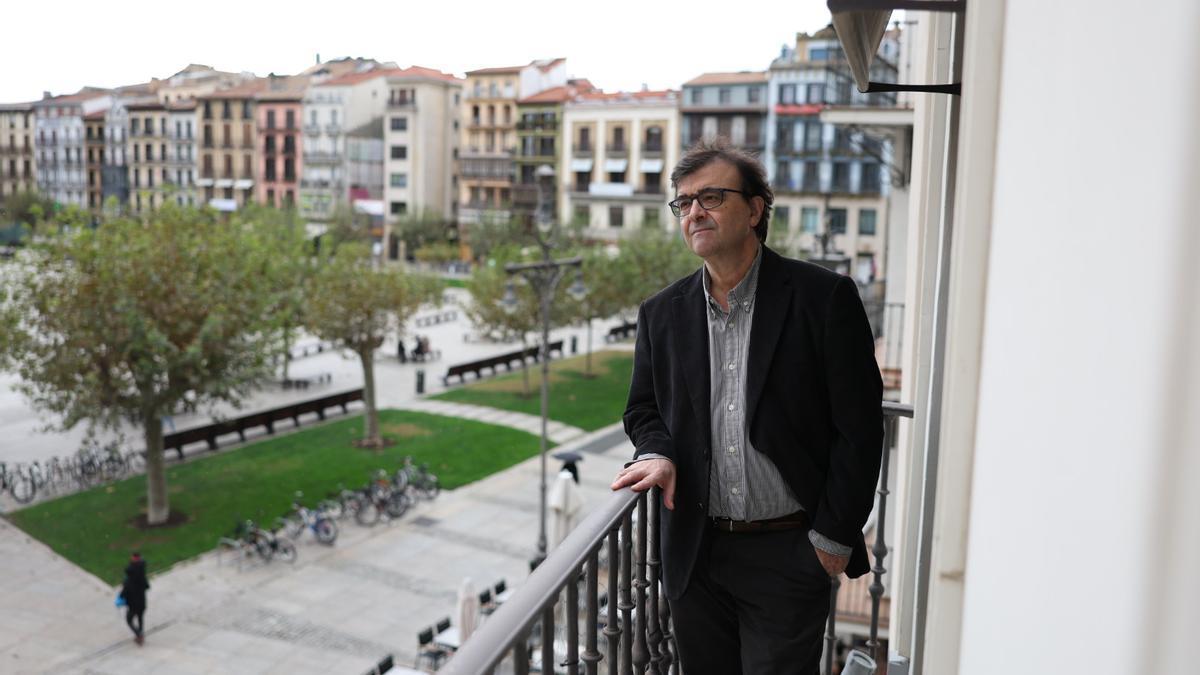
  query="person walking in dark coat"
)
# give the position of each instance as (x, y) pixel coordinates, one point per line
(134, 591)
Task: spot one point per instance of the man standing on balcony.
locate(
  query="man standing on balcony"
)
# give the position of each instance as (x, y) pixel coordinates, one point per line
(755, 406)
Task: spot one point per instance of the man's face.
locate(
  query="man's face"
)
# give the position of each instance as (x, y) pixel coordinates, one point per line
(726, 229)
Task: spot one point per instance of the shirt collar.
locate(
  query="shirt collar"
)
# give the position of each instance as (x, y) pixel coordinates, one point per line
(742, 294)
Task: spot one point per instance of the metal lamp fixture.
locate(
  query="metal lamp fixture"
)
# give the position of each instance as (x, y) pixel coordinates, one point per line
(509, 302)
(577, 290)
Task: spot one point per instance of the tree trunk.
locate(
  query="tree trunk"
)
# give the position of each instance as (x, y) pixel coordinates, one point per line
(371, 437)
(157, 506)
(525, 365)
(588, 359)
(287, 350)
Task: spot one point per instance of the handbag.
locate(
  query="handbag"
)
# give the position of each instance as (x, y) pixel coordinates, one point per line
(120, 601)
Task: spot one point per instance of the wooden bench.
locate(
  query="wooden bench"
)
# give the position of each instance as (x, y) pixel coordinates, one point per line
(210, 433)
(492, 363)
(435, 319)
(621, 332)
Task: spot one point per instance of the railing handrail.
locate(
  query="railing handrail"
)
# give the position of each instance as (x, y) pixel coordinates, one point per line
(489, 643)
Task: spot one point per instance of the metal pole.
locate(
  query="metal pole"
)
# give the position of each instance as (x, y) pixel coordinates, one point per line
(547, 291)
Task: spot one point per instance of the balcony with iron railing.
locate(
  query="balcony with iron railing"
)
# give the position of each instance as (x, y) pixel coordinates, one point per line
(322, 157)
(525, 125)
(635, 632)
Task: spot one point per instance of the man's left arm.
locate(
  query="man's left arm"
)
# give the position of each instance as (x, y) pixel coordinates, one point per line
(855, 400)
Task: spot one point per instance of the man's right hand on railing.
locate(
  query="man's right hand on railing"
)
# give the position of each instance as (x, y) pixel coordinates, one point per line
(647, 473)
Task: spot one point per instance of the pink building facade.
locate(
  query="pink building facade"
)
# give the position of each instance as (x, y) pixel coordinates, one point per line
(278, 170)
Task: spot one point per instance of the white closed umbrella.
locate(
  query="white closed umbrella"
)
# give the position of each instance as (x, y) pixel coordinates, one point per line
(566, 500)
(468, 609)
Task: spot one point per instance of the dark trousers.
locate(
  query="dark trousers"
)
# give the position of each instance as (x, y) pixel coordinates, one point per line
(756, 604)
(135, 611)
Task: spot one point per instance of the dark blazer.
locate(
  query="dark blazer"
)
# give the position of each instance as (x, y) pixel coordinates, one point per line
(814, 402)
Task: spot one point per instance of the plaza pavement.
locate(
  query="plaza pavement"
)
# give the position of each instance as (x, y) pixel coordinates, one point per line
(336, 610)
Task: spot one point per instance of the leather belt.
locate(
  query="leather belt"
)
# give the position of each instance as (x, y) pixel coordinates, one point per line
(791, 521)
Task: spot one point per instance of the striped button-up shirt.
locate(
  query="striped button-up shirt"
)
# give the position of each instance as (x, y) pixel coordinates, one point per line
(743, 483)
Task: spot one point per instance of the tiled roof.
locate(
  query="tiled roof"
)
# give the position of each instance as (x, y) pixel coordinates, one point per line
(95, 115)
(506, 70)
(85, 94)
(548, 64)
(619, 96)
(423, 72)
(145, 104)
(185, 104)
(561, 94)
(283, 89)
(355, 78)
(743, 77)
(244, 90)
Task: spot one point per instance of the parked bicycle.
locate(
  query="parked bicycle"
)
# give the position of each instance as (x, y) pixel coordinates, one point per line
(423, 482)
(249, 540)
(16, 483)
(301, 517)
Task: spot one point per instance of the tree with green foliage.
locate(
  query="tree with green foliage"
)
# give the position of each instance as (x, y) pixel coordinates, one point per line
(486, 311)
(421, 229)
(487, 286)
(609, 283)
(131, 321)
(356, 305)
(490, 233)
(292, 265)
(655, 258)
(347, 227)
(28, 208)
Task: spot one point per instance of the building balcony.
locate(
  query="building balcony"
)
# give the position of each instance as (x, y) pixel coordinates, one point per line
(537, 126)
(602, 564)
(322, 184)
(654, 151)
(333, 129)
(471, 214)
(312, 129)
(583, 150)
(616, 150)
(402, 104)
(321, 157)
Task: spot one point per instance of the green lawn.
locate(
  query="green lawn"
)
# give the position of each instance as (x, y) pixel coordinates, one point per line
(258, 481)
(575, 399)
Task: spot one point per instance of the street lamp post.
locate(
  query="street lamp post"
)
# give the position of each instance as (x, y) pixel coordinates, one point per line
(543, 277)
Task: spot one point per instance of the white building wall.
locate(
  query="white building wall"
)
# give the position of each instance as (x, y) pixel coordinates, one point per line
(1063, 537)
(635, 117)
(1083, 545)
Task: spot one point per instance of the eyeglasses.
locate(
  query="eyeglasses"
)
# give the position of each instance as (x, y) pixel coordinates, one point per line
(709, 199)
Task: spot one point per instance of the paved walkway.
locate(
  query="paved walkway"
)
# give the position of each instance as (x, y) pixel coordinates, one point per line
(338, 609)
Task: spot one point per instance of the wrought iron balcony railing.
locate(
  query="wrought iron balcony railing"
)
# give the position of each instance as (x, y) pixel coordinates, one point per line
(634, 633)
